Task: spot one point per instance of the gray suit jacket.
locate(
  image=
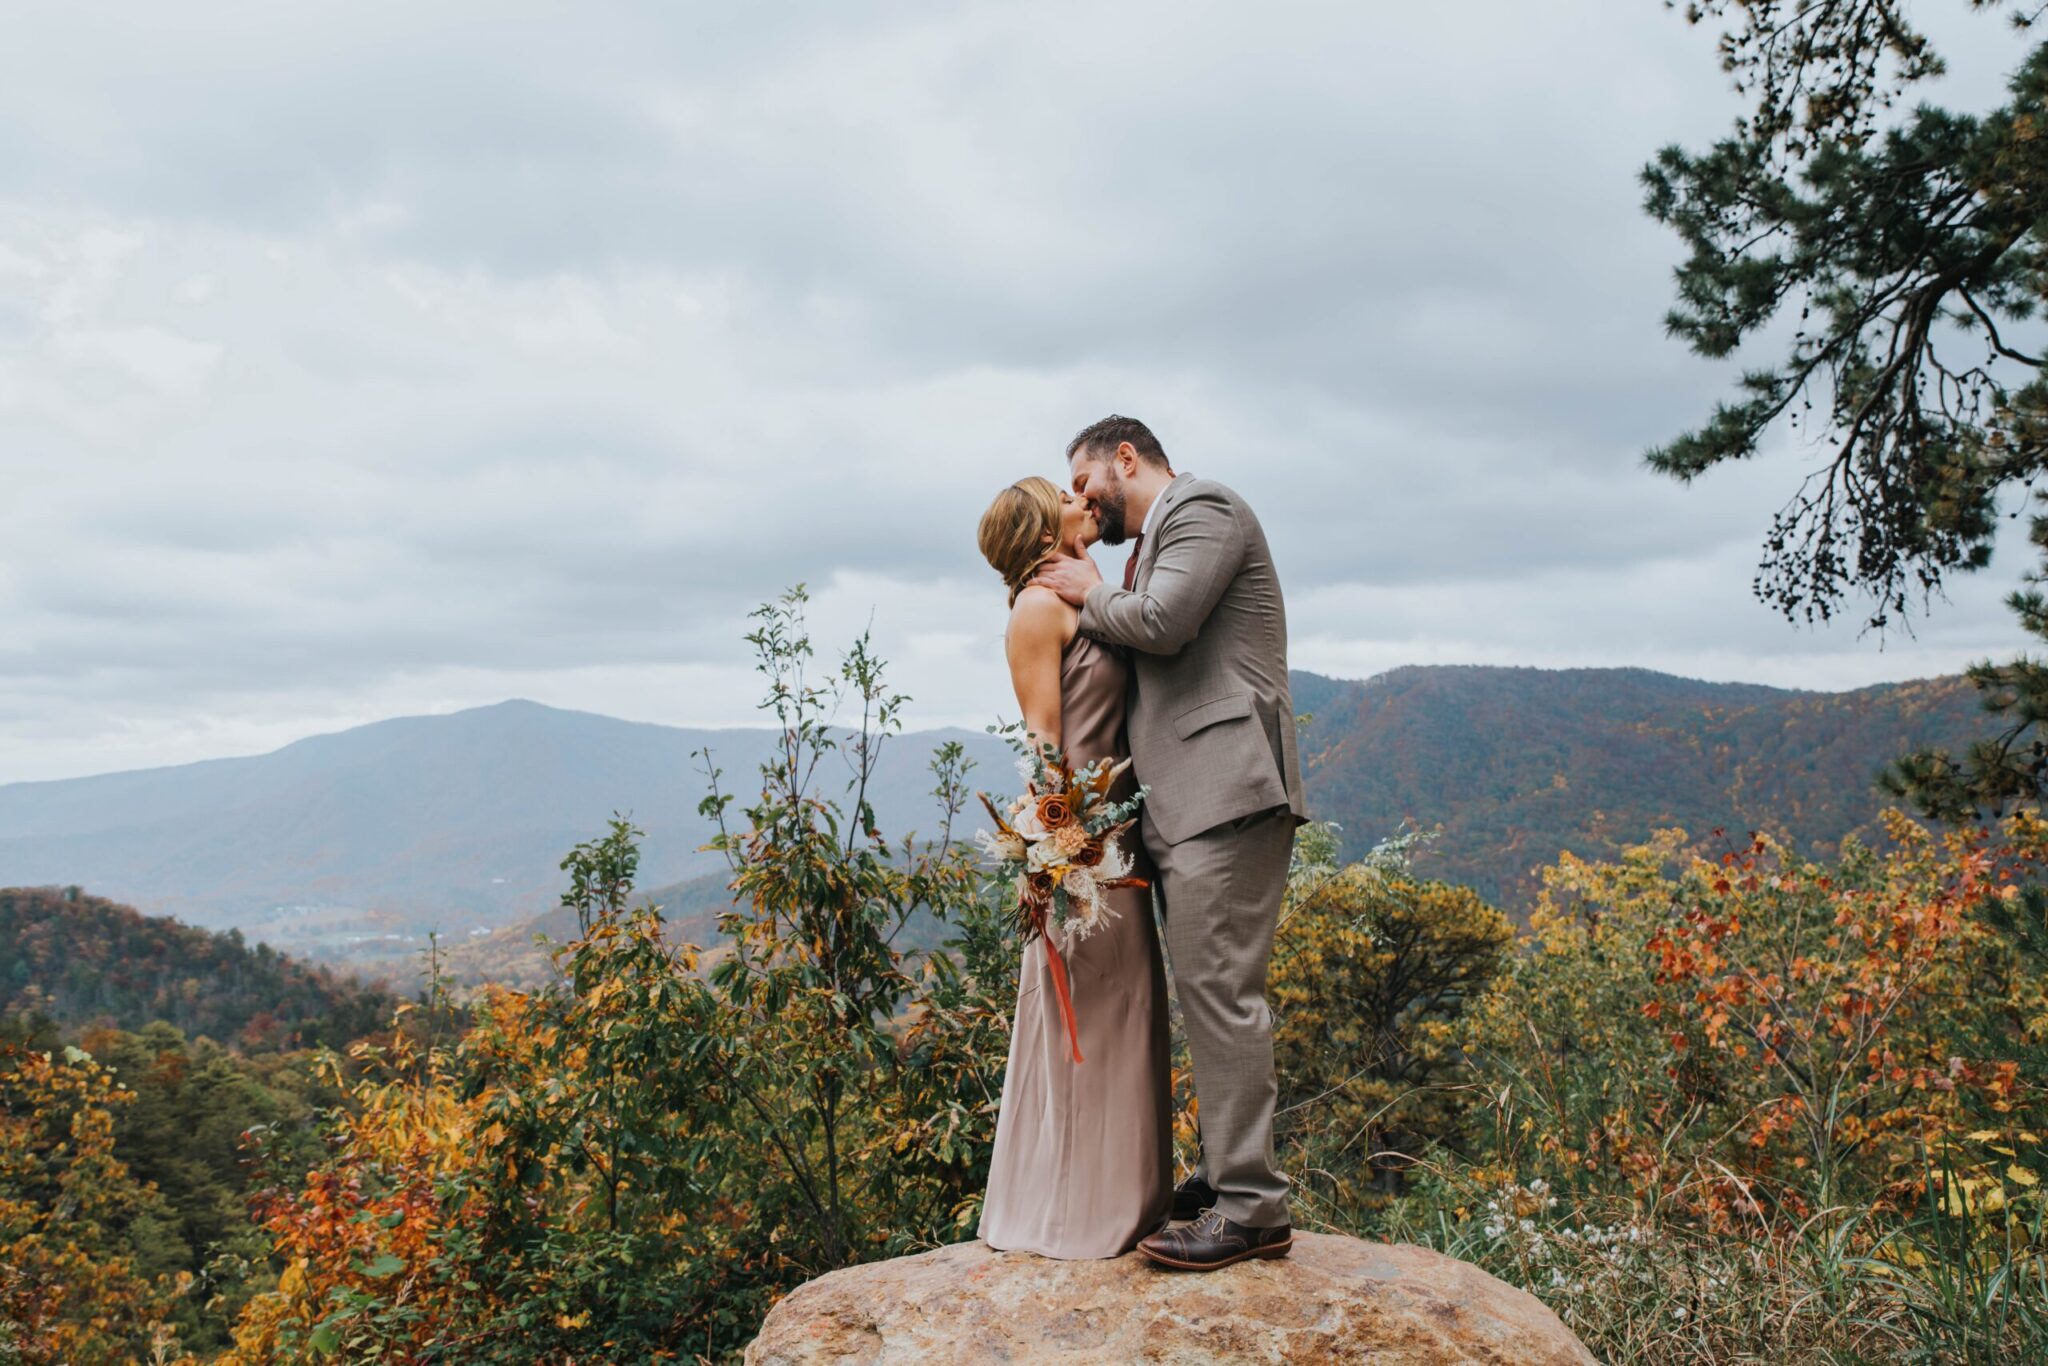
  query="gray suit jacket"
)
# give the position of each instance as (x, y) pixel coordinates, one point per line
(1211, 718)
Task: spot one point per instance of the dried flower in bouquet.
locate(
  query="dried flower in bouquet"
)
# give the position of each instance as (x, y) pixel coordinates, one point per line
(1059, 849)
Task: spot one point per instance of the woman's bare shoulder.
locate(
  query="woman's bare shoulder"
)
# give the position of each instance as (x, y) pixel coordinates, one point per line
(1041, 615)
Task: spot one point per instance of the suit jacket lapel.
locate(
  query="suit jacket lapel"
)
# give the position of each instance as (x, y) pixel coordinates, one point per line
(1168, 496)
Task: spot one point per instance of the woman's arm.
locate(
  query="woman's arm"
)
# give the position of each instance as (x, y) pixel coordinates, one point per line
(1040, 627)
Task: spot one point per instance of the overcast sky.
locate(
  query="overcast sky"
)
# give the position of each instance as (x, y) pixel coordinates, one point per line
(368, 359)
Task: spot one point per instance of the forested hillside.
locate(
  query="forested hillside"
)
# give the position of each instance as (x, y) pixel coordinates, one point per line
(1518, 765)
(81, 960)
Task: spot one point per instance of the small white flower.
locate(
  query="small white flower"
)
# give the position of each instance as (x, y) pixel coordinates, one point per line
(1080, 885)
(1091, 908)
(1001, 848)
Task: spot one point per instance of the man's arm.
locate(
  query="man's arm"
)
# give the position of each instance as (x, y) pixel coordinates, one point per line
(1200, 551)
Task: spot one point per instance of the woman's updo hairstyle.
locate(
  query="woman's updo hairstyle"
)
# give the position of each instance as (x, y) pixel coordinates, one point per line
(1021, 531)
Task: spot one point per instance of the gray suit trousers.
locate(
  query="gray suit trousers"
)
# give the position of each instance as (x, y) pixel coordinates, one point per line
(1219, 893)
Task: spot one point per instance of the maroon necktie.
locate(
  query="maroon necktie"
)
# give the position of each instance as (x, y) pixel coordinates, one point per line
(1131, 565)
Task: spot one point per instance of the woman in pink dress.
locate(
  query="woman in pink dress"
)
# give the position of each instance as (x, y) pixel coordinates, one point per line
(1083, 1163)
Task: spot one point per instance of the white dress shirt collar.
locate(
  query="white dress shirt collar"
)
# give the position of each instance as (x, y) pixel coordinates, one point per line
(1152, 512)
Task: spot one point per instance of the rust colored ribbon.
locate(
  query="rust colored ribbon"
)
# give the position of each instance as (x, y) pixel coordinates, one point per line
(1059, 987)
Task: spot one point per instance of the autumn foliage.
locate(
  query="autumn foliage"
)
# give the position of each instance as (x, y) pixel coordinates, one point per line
(1811, 1089)
(1724, 1100)
(70, 1290)
(634, 1164)
(1372, 968)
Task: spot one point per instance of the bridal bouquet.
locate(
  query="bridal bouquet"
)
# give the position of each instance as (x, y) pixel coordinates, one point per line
(1059, 847)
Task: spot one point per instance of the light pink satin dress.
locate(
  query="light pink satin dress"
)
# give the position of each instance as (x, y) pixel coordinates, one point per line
(1083, 1162)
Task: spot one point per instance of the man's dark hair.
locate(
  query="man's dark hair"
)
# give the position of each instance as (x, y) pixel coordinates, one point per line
(1105, 436)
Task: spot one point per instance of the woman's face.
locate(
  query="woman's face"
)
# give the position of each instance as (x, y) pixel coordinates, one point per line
(1078, 527)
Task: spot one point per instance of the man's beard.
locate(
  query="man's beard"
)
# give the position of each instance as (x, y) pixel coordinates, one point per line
(1109, 513)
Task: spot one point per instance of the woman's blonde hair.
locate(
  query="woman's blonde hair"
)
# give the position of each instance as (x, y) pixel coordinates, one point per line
(1015, 527)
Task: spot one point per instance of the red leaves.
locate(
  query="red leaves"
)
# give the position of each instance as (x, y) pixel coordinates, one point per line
(1796, 986)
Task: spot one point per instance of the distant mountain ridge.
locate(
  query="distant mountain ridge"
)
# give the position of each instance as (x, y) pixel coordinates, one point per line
(460, 821)
(1519, 764)
(343, 845)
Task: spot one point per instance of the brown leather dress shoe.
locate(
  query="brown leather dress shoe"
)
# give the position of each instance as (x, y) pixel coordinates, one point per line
(1213, 1241)
(1191, 1197)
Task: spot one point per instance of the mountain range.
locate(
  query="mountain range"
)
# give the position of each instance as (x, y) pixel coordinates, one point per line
(353, 845)
(1518, 764)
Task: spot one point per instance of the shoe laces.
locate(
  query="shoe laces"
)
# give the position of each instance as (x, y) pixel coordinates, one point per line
(1210, 1221)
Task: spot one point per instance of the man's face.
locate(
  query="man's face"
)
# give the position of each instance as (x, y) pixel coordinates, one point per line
(1099, 485)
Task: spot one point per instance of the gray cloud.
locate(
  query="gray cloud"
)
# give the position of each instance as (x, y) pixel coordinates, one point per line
(365, 360)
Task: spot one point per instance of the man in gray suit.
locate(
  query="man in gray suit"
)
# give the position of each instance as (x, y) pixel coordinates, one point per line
(1212, 736)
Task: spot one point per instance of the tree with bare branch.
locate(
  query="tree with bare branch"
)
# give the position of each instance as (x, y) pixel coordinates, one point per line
(1908, 252)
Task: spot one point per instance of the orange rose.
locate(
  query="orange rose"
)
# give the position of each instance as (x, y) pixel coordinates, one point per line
(1053, 810)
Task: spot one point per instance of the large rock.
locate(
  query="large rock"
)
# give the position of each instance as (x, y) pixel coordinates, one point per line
(1331, 1299)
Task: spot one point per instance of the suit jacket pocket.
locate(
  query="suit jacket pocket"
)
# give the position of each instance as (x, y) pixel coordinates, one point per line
(1205, 714)
(1215, 765)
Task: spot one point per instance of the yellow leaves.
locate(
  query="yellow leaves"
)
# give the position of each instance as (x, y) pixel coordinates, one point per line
(2021, 1176)
(1902, 1254)
(64, 1285)
(1973, 1195)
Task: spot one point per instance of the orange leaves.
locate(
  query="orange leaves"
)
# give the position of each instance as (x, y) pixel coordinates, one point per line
(1809, 1028)
(367, 1227)
(1807, 992)
(1775, 1117)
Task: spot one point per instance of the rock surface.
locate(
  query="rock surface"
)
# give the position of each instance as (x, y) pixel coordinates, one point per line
(1332, 1299)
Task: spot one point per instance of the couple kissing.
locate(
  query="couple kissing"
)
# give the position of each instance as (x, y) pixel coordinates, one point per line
(1181, 668)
